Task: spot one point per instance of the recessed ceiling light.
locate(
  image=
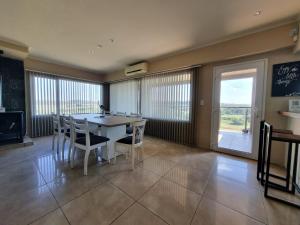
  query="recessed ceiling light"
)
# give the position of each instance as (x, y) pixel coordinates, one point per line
(258, 13)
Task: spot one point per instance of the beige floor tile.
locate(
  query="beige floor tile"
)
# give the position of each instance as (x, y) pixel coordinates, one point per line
(237, 161)
(150, 151)
(172, 202)
(54, 218)
(111, 170)
(243, 175)
(24, 197)
(172, 155)
(100, 205)
(198, 161)
(41, 147)
(193, 179)
(19, 177)
(157, 165)
(138, 215)
(281, 214)
(135, 183)
(294, 198)
(236, 196)
(212, 213)
(25, 207)
(52, 168)
(66, 189)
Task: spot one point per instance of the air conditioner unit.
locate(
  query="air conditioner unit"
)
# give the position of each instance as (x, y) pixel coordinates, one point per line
(136, 69)
(297, 47)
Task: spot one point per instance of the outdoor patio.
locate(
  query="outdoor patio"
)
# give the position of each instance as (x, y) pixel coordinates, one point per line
(235, 140)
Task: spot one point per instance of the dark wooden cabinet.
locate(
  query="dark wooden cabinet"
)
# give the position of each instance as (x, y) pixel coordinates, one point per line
(13, 84)
(12, 126)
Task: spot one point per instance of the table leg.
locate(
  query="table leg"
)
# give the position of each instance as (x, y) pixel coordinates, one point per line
(114, 134)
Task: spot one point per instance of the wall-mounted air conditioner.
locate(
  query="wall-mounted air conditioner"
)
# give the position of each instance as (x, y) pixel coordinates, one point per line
(136, 69)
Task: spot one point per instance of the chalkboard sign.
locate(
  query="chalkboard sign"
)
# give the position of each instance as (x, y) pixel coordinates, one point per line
(286, 79)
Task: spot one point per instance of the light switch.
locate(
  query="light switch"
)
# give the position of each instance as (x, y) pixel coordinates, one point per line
(202, 102)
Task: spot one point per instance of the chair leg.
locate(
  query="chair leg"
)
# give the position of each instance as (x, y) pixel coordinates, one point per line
(63, 148)
(115, 153)
(86, 162)
(53, 141)
(138, 155)
(142, 151)
(70, 150)
(58, 140)
(132, 158)
(73, 157)
(107, 153)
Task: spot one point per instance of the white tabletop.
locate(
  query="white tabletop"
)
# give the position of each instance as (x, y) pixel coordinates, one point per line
(106, 121)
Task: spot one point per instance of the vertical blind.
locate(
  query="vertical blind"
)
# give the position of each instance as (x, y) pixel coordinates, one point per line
(79, 97)
(52, 94)
(124, 96)
(166, 101)
(167, 97)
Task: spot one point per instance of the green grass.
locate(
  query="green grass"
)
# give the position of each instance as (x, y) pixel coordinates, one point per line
(233, 122)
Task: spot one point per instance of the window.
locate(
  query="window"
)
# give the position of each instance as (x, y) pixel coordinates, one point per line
(164, 99)
(51, 94)
(43, 94)
(167, 97)
(79, 97)
(124, 96)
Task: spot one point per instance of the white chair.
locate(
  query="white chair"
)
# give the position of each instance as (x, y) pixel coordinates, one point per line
(87, 143)
(57, 131)
(130, 143)
(68, 136)
(108, 113)
(129, 129)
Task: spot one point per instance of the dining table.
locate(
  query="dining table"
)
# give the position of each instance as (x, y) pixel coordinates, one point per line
(110, 126)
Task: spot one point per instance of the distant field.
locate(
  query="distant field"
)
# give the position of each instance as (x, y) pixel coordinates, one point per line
(233, 122)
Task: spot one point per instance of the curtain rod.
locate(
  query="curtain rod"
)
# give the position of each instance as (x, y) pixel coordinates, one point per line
(156, 73)
(62, 75)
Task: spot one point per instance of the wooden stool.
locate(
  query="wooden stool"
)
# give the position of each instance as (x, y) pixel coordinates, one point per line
(262, 158)
(290, 139)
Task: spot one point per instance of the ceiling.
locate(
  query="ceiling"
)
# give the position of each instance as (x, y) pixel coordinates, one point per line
(68, 31)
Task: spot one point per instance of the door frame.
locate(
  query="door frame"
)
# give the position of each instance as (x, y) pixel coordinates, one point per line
(223, 68)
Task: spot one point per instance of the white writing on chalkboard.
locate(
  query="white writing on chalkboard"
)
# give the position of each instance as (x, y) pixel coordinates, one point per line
(287, 75)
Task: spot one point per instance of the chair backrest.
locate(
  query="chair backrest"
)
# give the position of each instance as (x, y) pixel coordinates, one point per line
(56, 122)
(121, 114)
(138, 132)
(81, 127)
(67, 124)
(108, 112)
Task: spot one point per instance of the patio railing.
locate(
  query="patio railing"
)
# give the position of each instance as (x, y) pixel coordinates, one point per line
(235, 118)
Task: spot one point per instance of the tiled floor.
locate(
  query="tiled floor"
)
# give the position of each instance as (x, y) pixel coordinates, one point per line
(237, 141)
(172, 184)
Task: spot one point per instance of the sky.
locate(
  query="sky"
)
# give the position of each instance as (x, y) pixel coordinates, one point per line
(237, 91)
